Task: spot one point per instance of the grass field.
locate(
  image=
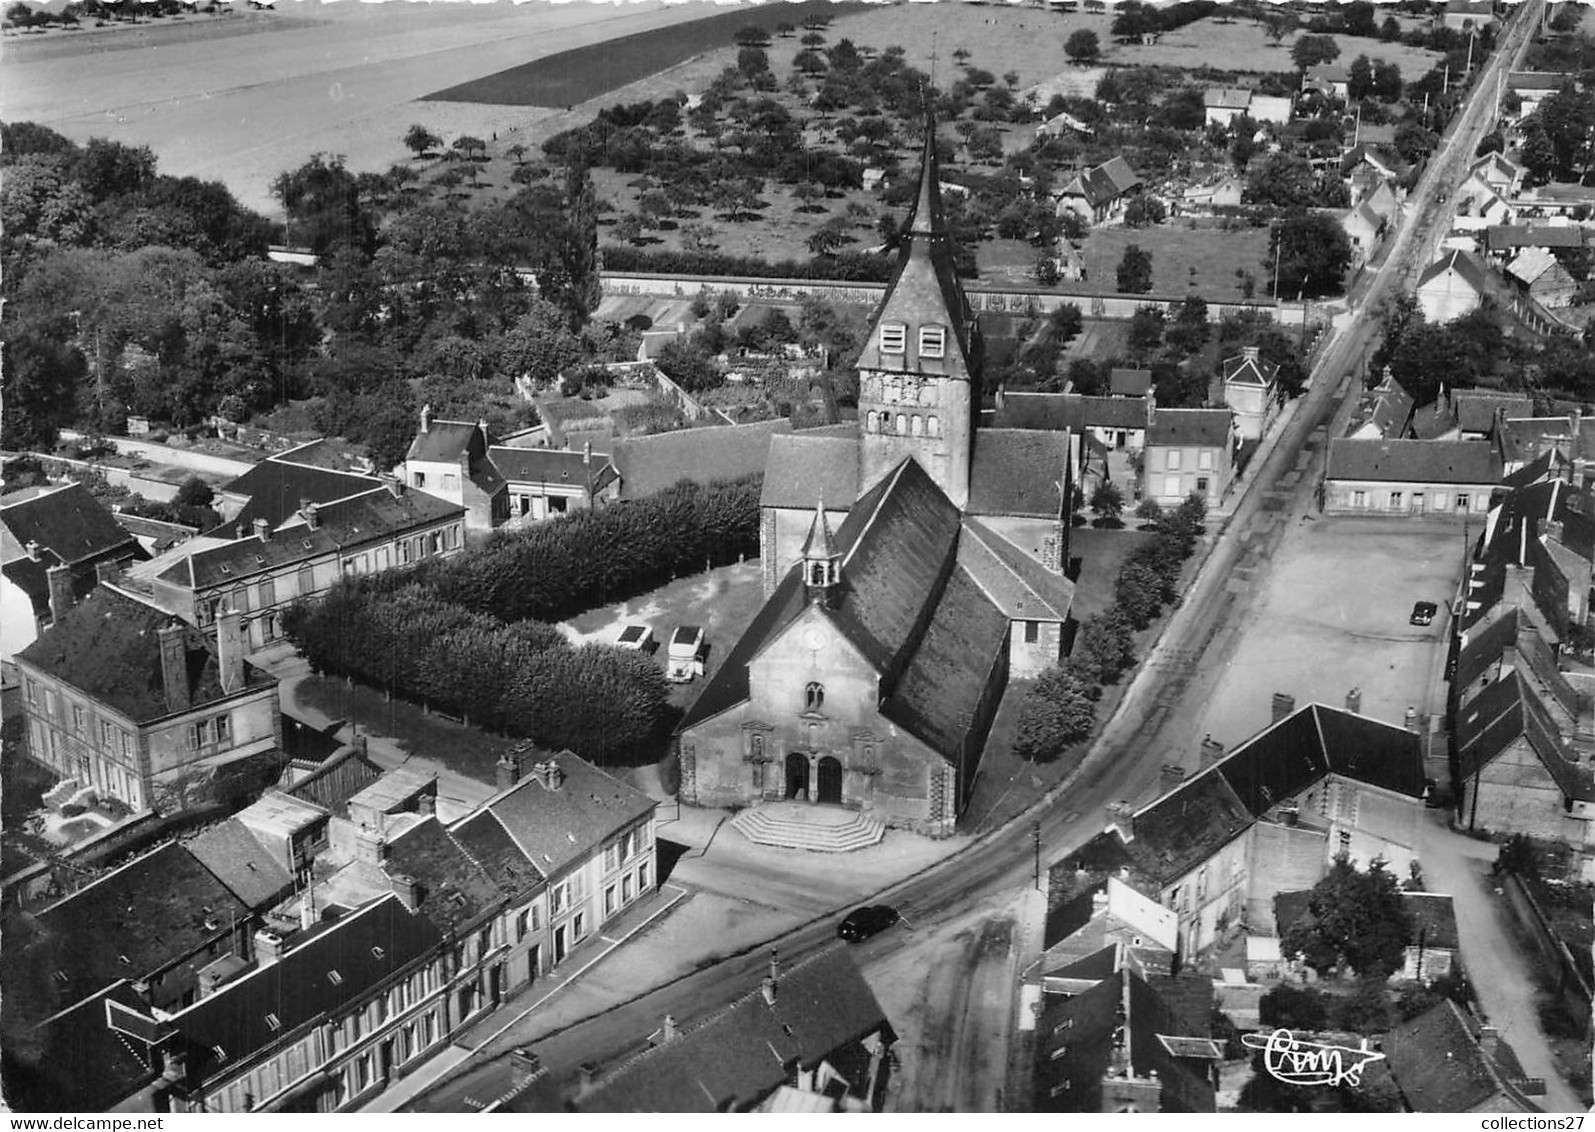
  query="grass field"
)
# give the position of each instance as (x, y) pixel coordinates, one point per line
(1214, 255)
(1244, 46)
(573, 77)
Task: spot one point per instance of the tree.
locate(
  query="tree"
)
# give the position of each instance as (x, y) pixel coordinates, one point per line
(322, 199)
(43, 375)
(1144, 211)
(1359, 79)
(1145, 332)
(1190, 330)
(1387, 82)
(1537, 154)
(1282, 179)
(1390, 30)
(1108, 501)
(1107, 646)
(1056, 713)
(1311, 253)
(1135, 271)
(751, 35)
(1082, 47)
(1138, 592)
(1311, 50)
(1149, 511)
(1353, 917)
(419, 140)
(1568, 117)
(689, 367)
(579, 292)
(194, 492)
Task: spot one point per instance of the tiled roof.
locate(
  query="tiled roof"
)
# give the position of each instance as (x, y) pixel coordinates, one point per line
(1247, 369)
(1434, 920)
(1506, 712)
(804, 467)
(743, 1053)
(106, 646)
(1012, 579)
(1054, 411)
(277, 487)
(80, 1062)
(1226, 98)
(1108, 181)
(365, 949)
(650, 464)
(1388, 407)
(444, 441)
(556, 828)
(376, 514)
(1200, 428)
(1476, 408)
(1461, 462)
(1463, 264)
(1181, 830)
(506, 864)
(242, 863)
(74, 525)
(1070, 914)
(1329, 73)
(1017, 472)
(152, 911)
(1484, 647)
(563, 466)
(1129, 382)
(1509, 237)
(1538, 80)
(1184, 1086)
(1436, 1062)
(453, 890)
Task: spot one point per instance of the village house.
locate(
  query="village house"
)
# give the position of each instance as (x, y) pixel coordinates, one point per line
(1451, 286)
(1547, 282)
(1087, 914)
(1327, 78)
(1506, 241)
(810, 1038)
(1381, 413)
(1468, 15)
(544, 482)
(1250, 391)
(55, 541)
(1499, 172)
(1225, 192)
(1534, 87)
(1481, 208)
(1271, 816)
(1364, 226)
(449, 460)
(1411, 477)
(1101, 194)
(1432, 947)
(122, 700)
(1445, 1060)
(1189, 452)
(281, 484)
(307, 554)
(1225, 104)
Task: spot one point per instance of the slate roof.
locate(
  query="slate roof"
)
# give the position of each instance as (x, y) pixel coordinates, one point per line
(1246, 369)
(276, 487)
(1014, 581)
(1197, 428)
(1016, 472)
(1045, 412)
(651, 464)
(741, 1054)
(1181, 830)
(1083, 1027)
(366, 949)
(1483, 649)
(557, 828)
(1151, 1024)
(1508, 237)
(1476, 408)
(1434, 920)
(1071, 914)
(563, 466)
(490, 845)
(81, 1062)
(924, 290)
(106, 646)
(1461, 462)
(1329, 73)
(242, 863)
(1388, 407)
(152, 910)
(374, 515)
(804, 467)
(1437, 1064)
(453, 890)
(443, 441)
(74, 525)
(1129, 382)
(1506, 712)
(1434, 420)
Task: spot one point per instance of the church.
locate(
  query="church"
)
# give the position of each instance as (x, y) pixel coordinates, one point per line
(913, 565)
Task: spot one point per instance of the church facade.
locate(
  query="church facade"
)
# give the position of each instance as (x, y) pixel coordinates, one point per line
(913, 564)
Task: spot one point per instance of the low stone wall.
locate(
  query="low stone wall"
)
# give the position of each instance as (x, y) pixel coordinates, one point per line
(1571, 988)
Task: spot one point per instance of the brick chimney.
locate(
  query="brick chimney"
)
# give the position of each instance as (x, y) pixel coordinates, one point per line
(33, 550)
(1283, 705)
(173, 640)
(371, 847)
(1250, 353)
(311, 514)
(262, 529)
(507, 770)
(230, 650)
(1212, 750)
(1411, 721)
(426, 805)
(587, 452)
(550, 774)
(407, 889)
(1170, 776)
(1354, 701)
(772, 980)
(668, 1032)
(268, 947)
(426, 418)
(1489, 1041)
(60, 581)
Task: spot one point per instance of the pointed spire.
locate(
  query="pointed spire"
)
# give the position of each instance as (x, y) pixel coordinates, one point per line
(822, 568)
(928, 219)
(818, 545)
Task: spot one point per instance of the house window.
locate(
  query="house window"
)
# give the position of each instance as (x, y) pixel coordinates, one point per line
(932, 341)
(1201, 485)
(874, 422)
(33, 693)
(1395, 500)
(1417, 501)
(894, 338)
(609, 901)
(307, 581)
(521, 925)
(77, 719)
(578, 925)
(625, 889)
(1172, 460)
(1204, 460)
(420, 479)
(127, 745)
(1359, 499)
(932, 426)
(642, 878)
(451, 482)
(814, 697)
(1462, 501)
(1032, 632)
(268, 593)
(107, 735)
(1171, 487)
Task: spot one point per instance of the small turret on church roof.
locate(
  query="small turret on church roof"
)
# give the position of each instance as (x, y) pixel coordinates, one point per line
(822, 562)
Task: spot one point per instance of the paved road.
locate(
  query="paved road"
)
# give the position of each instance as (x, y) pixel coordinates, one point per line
(1148, 729)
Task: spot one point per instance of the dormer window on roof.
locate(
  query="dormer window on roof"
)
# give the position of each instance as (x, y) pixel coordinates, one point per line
(894, 338)
(932, 341)
(273, 1023)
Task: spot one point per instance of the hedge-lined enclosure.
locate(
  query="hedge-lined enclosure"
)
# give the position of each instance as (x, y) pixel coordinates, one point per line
(469, 634)
(1060, 709)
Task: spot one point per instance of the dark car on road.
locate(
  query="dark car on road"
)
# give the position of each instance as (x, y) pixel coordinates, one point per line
(1423, 612)
(861, 923)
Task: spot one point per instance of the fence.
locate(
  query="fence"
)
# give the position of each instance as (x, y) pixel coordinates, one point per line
(1571, 986)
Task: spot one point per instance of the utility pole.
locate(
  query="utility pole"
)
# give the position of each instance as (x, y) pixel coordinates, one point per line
(1035, 834)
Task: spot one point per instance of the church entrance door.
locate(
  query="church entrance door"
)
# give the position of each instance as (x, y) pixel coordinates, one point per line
(797, 777)
(830, 784)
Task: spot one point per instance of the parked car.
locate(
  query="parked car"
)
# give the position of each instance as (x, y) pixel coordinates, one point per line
(1423, 612)
(684, 661)
(639, 638)
(861, 923)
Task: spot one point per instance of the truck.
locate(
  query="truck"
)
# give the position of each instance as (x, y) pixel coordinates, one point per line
(684, 658)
